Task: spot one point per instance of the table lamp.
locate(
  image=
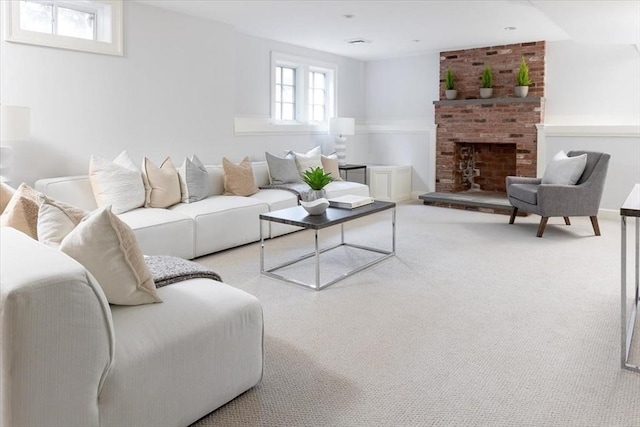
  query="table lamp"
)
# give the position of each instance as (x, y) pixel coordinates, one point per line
(341, 127)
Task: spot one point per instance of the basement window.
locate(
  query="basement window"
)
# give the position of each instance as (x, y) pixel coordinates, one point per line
(85, 25)
(303, 90)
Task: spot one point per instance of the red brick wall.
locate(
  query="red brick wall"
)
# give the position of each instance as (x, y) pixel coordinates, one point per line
(467, 66)
(502, 119)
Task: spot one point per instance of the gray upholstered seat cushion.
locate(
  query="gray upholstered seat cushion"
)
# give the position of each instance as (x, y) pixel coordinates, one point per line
(528, 193)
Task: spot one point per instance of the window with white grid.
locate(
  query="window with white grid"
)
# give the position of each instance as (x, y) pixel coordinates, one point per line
(303, 90)
(285, 107)
(87, 25)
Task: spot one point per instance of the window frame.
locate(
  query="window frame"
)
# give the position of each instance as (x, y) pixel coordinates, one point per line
(303, 66)
(105, 10)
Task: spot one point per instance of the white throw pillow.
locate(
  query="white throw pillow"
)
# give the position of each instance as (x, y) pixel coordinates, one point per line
(108, 249)
(162, 184)
(309, 160)
(195, 183)
(563, 170)
(56, 220)
(117, 184)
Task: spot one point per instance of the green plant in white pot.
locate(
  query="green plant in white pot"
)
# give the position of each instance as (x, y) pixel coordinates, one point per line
(522, 80)
(315, 200)
(449, 85)
(486, 86)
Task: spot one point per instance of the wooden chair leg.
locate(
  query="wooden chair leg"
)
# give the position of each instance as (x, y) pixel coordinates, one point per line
(566, 220)
(543, 224)
(594, 223)
(514, 212)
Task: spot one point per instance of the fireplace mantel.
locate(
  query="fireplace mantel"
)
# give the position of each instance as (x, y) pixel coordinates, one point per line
(487, 101)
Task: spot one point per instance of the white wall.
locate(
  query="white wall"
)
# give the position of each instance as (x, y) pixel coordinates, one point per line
(171, 94)
(590, 84)
(175, 92)
(253, 99)
(400, 114)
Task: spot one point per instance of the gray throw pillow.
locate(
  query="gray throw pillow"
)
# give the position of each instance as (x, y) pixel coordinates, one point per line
(282, 170)
(563, 170)
(194, 180)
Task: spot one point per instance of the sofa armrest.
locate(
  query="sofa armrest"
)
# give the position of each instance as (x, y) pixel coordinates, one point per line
(56, 336)
(522, 180)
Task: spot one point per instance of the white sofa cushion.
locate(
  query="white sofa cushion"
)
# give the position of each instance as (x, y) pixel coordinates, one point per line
(277, 199)
(223, 222)
(162, 231)
(177, 361)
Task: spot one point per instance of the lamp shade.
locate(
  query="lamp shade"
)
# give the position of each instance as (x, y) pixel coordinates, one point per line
(340, 126)
(15, 123)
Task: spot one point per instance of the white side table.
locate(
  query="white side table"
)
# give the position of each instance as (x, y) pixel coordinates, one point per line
(389, 183)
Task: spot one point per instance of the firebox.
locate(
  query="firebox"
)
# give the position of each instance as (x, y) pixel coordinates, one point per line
(483, 166)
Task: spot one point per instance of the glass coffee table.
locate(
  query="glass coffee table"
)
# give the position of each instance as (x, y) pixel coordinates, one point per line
(333, 216)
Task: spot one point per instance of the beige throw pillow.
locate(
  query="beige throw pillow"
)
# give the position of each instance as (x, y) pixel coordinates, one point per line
(108, 249)
(118, 183)
(330, 166)
(161, 183)
(56, 220)
(238, 179)
(6, 192)
(21, 212)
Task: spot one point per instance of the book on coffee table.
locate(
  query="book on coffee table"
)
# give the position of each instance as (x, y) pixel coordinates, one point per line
(349, 201)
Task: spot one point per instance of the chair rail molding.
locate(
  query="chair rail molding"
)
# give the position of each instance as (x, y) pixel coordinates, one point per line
(624, 131)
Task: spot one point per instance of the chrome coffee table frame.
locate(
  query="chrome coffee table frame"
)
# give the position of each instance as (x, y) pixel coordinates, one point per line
(333, 216)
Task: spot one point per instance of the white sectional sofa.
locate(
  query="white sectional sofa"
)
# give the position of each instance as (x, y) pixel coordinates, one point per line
(70, 359)
(190, 230)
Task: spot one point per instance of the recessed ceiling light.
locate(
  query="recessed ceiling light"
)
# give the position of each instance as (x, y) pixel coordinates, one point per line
(416, 41)
(348, 16)
(510, 28)
(358, 41)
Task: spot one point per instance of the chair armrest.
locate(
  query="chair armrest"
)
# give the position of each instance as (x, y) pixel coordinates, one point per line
(522, 180)
(567, 200)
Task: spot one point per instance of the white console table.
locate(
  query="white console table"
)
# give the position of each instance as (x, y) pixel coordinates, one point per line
(631, 209)
(389, 183)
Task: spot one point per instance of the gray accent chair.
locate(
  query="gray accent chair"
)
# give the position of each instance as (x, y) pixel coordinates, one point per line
(547, 200)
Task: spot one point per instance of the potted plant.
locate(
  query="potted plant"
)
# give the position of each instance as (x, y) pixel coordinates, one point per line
(522, 80)
(486, 88)
(449, 84)
(315, 200)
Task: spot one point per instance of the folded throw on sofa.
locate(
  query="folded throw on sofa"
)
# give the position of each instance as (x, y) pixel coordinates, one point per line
(169, 269)
(297, 188)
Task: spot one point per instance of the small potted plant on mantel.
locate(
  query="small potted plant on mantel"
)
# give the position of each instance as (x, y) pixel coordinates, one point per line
(449, 85)
(522, 80)
(315, 200)
(486, 88)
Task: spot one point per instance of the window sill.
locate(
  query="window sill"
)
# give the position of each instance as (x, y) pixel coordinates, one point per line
(265, 126)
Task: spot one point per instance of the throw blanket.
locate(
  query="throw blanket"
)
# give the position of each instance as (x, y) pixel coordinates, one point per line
(298, 188)
(169, 269)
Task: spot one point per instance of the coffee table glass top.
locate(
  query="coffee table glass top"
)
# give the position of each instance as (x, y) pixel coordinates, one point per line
(299, 217)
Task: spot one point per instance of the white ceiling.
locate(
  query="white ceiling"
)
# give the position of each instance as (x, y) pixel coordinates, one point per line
(404, 28)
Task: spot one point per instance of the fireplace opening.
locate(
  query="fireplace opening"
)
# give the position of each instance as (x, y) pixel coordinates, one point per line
(483, 166)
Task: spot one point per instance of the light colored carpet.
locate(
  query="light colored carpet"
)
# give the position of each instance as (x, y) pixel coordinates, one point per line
(474, 322)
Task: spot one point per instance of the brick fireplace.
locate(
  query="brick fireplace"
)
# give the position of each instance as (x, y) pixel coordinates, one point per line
(481, 141)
